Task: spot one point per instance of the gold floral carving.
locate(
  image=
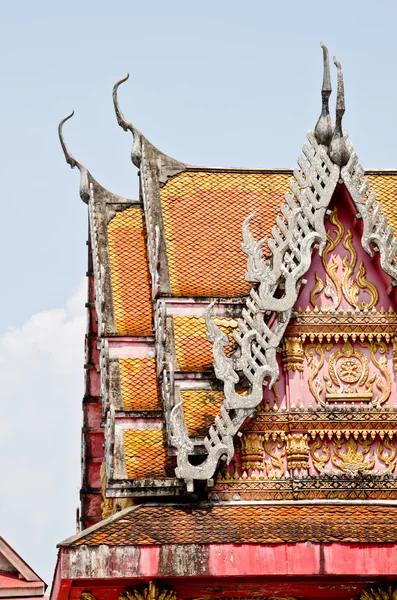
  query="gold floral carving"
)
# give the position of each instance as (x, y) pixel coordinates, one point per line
(292, 354)
(331, 288)
(384, 387)
(317, 387)
(349, 368)
(337, 286)
(252, 451)
(87, 596)
(255, 598)
(351, 459)
(149, 592)
(380, 593)
(274, 464)
(387, 454)
(320, 453)
(348, 378)
(297, 451)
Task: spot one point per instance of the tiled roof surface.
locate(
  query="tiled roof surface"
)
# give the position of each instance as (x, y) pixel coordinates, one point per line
(203, 212)
(139, 384)
(146, 454)
(193, 350)
(200, 408)
(257, 524)
(129, 273)
(385, 188)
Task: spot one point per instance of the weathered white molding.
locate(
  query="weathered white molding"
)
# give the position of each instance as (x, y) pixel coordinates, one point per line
(376, 230)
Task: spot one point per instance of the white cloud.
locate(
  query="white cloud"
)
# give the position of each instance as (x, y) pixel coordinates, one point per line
(41, 375)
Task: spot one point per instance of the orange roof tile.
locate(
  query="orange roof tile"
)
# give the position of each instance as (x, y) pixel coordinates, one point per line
(146, 454)
(203, 213)
(385, 188)
(139, 384)
(129, 273)
(244, 524)
(193, 350)
(200, 408)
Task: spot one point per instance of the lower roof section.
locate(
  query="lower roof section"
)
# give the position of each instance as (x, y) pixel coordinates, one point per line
(305, 550)
(244, 523)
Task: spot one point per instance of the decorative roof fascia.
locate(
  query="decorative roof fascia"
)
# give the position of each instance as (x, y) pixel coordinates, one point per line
(376, 231)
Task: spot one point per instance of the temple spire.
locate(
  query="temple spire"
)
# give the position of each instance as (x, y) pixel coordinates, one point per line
(324, 127)
(338, 150)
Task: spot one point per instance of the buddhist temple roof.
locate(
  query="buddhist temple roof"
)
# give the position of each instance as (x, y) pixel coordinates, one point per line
(240, 407)
(243, 523)
(192, 288)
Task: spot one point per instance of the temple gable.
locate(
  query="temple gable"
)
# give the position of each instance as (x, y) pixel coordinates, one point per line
(326, 428)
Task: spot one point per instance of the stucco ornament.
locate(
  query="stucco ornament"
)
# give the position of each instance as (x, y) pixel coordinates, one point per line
(376, 230)
(324, 126)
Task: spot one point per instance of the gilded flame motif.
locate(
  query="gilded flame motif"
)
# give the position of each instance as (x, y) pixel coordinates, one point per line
(148, 592)
(340, 281)
(380, 593)
(275, 455)
(351, 459)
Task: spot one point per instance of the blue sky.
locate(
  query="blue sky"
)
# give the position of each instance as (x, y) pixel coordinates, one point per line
(221, 83)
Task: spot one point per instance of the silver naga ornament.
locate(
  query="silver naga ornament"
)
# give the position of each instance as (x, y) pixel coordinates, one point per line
(338, 149)
(324, 126)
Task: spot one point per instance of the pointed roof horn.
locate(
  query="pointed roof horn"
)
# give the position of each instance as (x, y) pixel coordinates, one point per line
(73, 162)
(324, 127)
(136, 152)
(338, 150)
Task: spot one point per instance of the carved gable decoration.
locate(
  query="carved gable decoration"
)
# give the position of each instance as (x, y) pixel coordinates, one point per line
(343, 324)
(326, 428)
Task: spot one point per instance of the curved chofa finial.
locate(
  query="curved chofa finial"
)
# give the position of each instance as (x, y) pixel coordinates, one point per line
(339, 153)
(324, 126)
(136, 152)
(165, 165)
(84, 185)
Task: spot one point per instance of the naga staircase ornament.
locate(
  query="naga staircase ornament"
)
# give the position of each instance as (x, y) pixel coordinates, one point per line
(326, 160)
